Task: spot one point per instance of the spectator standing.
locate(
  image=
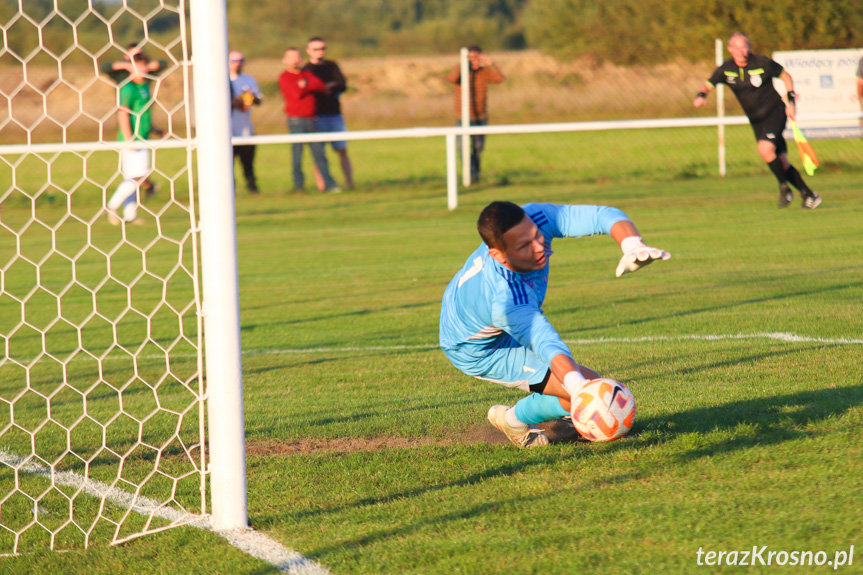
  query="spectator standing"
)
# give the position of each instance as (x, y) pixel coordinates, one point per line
(483, 72)
(245, 93)
(329, 110)
(299, 87)
(133, 124)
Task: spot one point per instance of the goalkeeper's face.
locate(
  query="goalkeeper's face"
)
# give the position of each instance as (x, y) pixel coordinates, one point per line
(525, 248)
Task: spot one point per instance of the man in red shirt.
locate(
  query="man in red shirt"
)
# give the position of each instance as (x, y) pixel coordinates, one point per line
(298, 89)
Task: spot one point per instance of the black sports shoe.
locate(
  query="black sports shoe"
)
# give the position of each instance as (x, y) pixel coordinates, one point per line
(785, 195)
(812, 202)
(150, 189)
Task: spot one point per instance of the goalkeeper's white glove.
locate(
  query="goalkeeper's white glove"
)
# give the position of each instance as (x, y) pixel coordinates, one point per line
(573, 382)
(636, 255)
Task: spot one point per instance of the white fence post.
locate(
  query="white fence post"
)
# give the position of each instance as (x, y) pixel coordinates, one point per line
(451, 173)
(720, 110)
(220, 287)
(465, 115)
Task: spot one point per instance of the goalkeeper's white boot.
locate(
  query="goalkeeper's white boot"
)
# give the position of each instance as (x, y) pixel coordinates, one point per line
(527, 438)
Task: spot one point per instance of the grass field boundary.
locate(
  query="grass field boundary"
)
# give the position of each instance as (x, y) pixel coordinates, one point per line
(248, 540)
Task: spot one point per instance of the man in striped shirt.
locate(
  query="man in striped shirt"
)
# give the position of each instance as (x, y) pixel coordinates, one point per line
(492, 325)
(483, 72)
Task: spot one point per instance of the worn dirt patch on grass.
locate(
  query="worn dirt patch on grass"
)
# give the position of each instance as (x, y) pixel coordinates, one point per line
(557, 432)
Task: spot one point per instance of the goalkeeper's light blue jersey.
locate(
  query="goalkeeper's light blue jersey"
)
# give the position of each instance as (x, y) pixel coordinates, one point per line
(485, 300)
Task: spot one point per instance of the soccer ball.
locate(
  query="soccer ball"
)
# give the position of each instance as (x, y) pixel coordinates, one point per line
(604, 410)
(248, 99)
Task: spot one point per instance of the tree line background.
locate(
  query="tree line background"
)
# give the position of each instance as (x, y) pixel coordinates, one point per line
(620, 31)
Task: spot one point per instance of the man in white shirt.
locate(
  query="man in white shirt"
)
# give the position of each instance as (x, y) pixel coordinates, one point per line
(245, 93)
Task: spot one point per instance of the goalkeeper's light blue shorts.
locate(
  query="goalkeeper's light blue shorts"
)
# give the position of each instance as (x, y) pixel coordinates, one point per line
(506, 362)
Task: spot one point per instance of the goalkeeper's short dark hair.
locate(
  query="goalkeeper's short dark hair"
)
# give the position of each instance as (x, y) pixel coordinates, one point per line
(496, 219)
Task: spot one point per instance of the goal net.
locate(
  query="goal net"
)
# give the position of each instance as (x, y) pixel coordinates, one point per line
(101, 392)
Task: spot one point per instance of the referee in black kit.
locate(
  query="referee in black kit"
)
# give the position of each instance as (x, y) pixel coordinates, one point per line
(750, 77)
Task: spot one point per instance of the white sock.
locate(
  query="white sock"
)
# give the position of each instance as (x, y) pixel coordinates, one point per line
(513, 421)
(130, 208)
(125, 196)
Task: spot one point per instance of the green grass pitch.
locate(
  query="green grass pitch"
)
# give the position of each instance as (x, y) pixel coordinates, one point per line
(369, 453)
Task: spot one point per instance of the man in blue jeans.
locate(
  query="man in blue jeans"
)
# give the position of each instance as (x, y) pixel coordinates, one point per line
(329, 109)
(298, 89)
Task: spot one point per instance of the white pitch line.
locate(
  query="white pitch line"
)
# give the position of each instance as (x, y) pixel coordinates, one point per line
(340, 349)
(779, 336)
(265, 547)
(254, 543)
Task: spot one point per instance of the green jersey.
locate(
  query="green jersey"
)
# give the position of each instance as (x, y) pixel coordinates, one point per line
(136, 98)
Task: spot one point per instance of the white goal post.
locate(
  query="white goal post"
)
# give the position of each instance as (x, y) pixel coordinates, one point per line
(219, 259)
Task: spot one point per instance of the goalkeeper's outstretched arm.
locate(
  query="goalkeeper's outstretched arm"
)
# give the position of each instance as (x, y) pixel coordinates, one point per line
(636, 254)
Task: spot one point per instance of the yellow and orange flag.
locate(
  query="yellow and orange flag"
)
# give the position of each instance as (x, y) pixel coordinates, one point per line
(807, 154)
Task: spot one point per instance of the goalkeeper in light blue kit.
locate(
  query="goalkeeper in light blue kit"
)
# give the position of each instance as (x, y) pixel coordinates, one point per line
(492, 325)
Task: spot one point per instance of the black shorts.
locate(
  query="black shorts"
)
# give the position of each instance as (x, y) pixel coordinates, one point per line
(540, 387)
(771, 128)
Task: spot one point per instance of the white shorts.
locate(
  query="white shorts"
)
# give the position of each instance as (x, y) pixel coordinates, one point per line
(135, 163)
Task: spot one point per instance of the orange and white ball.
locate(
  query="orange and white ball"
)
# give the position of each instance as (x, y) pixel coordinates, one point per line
(604, 410)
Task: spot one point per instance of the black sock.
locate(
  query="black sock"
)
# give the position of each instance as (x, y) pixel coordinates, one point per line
(777, 169)
(796, 180)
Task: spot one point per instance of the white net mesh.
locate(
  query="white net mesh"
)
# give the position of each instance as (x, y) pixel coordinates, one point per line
(101, 399)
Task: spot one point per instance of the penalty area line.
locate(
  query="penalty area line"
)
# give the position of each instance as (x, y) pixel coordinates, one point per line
(778, 336)
(254, 543)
